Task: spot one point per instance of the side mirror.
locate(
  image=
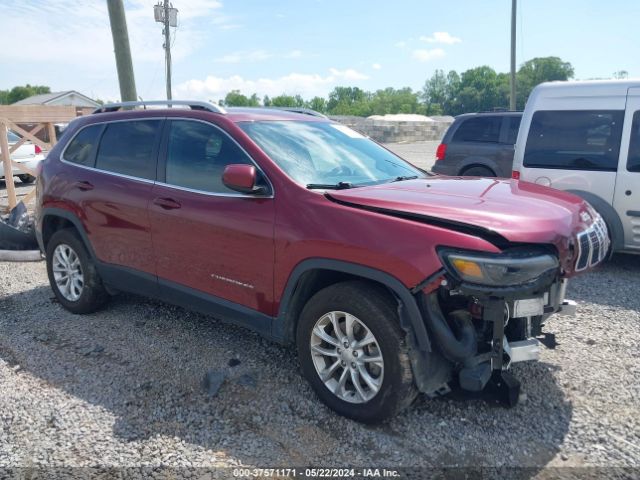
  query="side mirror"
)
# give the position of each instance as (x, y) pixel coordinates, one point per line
(242, 178)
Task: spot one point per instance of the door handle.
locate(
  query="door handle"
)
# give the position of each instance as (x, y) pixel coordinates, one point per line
(83, 185)
(166, 203)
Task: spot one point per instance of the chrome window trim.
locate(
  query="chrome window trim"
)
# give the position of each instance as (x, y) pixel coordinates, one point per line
(155, 182)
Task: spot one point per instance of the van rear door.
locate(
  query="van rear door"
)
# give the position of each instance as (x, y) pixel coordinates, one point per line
(627, 191)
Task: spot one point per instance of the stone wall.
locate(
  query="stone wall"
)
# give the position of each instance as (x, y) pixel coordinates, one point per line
(386, 131)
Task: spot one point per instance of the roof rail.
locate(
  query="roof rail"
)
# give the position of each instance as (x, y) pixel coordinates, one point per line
(304, 111)
(194, 104)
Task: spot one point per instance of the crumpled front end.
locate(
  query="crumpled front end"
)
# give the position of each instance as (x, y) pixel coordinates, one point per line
(485, 312)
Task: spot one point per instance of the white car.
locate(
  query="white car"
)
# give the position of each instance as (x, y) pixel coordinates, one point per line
(584, 137)
(27, 154)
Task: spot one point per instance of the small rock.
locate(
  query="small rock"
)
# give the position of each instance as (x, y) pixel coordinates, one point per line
(212, 382)
(234, 362)
(42, 337)
(564, 457)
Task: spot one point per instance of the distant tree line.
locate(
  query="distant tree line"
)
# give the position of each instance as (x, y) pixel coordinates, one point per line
(7, 97)
(453, 93)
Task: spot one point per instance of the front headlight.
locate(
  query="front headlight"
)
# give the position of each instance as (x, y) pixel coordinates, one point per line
(505, 269)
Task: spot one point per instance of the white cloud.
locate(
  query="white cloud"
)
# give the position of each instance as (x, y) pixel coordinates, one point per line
(75, 37)
(348, 74)
(376, 66)
(293, 54)
(307, 85)
(441, 37)
(423, 55)
(400, 44)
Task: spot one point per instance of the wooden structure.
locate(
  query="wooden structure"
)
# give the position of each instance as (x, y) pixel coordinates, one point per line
(12, 117)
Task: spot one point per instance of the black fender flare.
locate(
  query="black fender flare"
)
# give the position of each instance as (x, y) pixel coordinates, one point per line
(75, 221)
(608, 213)
(410, 315)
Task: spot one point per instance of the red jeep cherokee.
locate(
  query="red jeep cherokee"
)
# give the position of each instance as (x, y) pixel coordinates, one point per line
(389, 280)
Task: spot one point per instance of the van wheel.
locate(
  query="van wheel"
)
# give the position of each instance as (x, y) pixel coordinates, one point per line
(73, 275)
(26, 178)
(353, 352)
(478, 172)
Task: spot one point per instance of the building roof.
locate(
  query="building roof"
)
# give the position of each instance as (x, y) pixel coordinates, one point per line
(46, 98)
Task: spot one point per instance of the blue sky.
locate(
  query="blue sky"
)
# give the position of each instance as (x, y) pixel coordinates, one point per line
(306, 47)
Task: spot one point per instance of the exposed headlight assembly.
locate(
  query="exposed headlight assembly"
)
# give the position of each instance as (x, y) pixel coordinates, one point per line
(510, 268)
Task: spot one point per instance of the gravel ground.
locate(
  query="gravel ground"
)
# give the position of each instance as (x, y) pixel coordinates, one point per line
(124, 388)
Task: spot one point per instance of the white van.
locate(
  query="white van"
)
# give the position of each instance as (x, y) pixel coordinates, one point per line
(584, 137)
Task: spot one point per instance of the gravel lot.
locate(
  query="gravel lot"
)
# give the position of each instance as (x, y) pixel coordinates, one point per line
(123, 388)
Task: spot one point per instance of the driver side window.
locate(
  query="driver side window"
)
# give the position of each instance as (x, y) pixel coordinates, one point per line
(197, 154)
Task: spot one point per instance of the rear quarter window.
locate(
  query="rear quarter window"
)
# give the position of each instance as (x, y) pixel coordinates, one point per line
(129, 148)
(81, 149)
(485, 129)
(574, 140)
(633, 158)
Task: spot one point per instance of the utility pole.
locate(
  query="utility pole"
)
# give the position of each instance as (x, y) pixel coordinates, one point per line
(167, 15)
(512, 99)
(122, 51)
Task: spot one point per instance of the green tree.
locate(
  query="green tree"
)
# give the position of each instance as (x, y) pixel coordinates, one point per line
(18, 93)
(478, 90)
(390, 100)
(236, 99)
(318, 104)
(538, 70)
(349, 101)
(288, 101)
(440, 91)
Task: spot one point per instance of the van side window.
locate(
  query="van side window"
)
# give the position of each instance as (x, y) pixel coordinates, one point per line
(479, 129)
(574, 140)
(633, 159)
(80, 149)
(128, 148)
(197, 155)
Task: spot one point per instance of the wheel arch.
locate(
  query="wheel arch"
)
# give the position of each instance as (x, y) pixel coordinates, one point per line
(608, 213)
(311, 275)
(54, 219)
(482, 162)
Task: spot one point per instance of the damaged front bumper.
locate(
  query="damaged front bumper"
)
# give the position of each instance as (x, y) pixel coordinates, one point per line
(480, 334)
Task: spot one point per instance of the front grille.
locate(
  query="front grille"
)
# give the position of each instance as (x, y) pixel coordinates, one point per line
(593, 244)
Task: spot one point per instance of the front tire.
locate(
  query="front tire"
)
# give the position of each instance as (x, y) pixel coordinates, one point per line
(353, 351)
(73, 275)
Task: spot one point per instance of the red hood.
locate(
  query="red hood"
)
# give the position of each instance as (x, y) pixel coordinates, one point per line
(518, 211)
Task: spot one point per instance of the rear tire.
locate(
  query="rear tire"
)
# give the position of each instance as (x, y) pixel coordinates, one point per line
(478, 171)
(381, 367)
(73, 275)
(26, 178)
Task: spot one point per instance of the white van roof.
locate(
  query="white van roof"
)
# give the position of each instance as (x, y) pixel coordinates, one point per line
(585, 88)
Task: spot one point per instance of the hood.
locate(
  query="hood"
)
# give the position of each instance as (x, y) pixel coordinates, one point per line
(517, 211)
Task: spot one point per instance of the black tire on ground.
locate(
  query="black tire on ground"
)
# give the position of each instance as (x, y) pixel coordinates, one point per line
(93, 296)
(26, 178)
(478, 171)
(375, 308)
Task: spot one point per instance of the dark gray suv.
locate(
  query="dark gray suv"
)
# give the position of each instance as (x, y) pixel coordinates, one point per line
(479, 144)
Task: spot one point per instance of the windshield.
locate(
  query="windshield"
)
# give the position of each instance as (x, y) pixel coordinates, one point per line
(12, 137)
(319, 153)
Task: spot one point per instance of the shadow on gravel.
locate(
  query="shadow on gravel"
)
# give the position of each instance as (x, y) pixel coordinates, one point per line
(143, 362)
(614, 283)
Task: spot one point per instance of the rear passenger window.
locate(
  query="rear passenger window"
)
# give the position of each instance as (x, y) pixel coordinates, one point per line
(80, 149)
(197, 155)
(633, 159)
(576, 140)
(128, 148)
(479, 129)
(512, 133)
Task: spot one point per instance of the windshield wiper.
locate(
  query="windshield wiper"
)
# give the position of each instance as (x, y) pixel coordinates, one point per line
(404, 177)
(330, 186)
